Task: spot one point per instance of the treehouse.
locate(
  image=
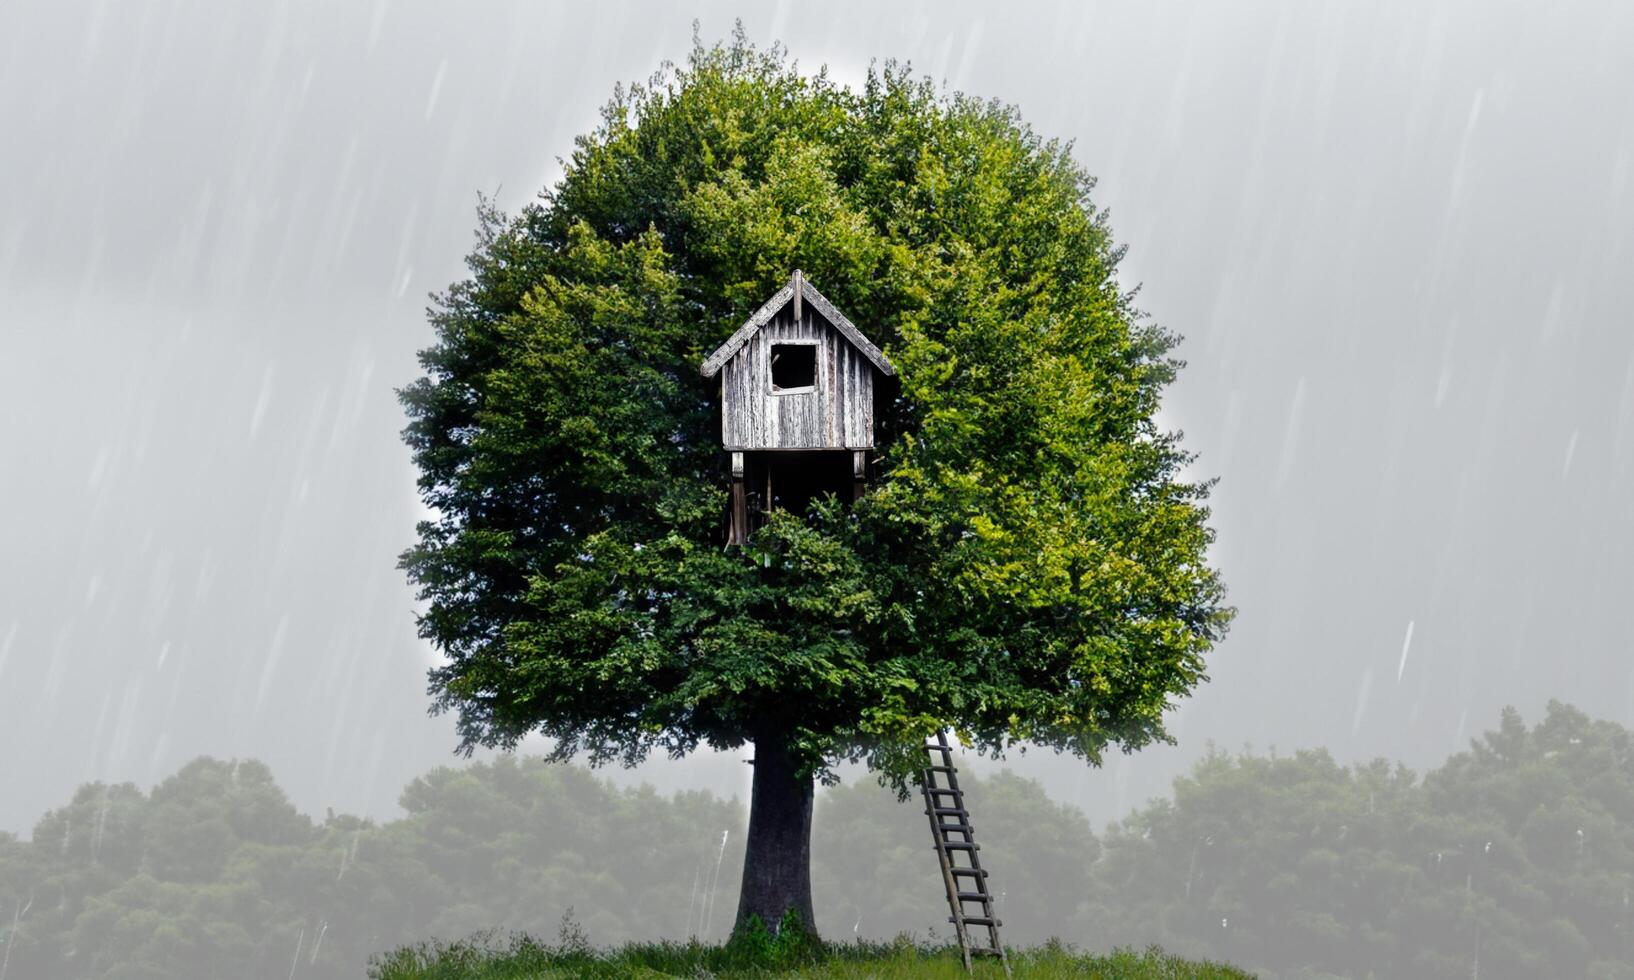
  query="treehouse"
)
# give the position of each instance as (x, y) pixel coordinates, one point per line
(798, 382)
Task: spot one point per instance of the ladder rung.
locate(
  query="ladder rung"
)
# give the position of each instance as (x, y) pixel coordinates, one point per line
(977, 920)
(975, 897)
(972, 872)
(943, 789)
(960, 845)
(951, 811)
(940, 769)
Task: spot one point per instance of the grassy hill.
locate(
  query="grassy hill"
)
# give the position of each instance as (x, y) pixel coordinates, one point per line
(523, 958)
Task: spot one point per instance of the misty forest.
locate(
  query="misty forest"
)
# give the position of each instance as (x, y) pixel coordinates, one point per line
(1130, 491)
(1515, 855)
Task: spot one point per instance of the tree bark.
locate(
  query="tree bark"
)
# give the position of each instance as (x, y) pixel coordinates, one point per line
(777, 855)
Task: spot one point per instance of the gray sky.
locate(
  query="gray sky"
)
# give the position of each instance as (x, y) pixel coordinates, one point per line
(1397, 238)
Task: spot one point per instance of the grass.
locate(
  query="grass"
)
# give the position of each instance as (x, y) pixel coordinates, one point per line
(519, 957)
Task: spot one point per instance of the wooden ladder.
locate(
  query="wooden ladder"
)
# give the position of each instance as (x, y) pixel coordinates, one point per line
(950, 829)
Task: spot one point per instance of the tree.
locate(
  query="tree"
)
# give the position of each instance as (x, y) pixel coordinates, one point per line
(1029, 566)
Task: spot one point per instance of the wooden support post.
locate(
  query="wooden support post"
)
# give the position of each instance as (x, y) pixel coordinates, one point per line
(737, 531)
(799, 307)
(859, 473)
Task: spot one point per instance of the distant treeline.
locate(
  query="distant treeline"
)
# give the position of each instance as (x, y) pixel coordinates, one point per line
(1513, 860)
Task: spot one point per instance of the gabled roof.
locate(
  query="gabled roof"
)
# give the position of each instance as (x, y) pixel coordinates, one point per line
(714, 362)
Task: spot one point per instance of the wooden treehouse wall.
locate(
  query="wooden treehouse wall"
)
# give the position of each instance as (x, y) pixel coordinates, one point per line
(836, 413)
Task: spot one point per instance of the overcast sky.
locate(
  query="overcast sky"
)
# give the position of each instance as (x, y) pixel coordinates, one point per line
(1396, 237)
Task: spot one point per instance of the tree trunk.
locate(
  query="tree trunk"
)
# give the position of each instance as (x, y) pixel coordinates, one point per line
(777, 856)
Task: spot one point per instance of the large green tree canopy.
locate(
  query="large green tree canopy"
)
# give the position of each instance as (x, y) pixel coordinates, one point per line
(1031, 562)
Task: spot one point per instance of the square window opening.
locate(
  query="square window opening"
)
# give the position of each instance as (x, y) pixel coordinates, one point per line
(794, 367)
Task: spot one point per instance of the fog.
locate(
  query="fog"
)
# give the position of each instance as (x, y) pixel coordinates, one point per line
(1396, 238)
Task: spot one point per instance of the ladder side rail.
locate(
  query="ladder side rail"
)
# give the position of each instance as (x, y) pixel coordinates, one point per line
(946, 861)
